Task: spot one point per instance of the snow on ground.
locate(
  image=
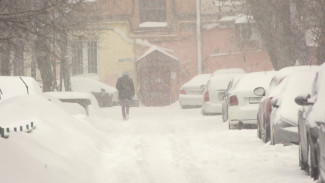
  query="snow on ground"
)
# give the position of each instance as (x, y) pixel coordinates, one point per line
(169, 144)
(157, 145)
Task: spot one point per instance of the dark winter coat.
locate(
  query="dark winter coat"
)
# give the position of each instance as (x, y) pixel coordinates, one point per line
(125, 87)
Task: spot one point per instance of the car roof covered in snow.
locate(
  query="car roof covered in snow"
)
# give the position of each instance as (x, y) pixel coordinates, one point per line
(250, 81)
(197, 81)
(317, 113)
(221, 81)
(85, 84)
(295, 84)
(229, 71)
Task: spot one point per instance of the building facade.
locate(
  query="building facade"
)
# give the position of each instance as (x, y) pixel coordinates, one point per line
(127, 32)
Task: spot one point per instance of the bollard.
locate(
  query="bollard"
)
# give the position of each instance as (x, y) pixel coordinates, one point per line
(8, 130)
(27, 127)
(15, 129)
(21, 128)
(32, 124)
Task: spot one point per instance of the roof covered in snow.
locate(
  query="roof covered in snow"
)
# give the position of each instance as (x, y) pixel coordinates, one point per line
(155, 48)
(153, 24)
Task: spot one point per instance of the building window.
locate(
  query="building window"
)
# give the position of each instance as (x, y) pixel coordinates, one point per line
(152, 11)
(92, 56)
(77, 65)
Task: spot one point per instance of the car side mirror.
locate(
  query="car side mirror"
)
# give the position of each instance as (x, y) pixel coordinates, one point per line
(260, 91)
(274, 103)
(303, 100)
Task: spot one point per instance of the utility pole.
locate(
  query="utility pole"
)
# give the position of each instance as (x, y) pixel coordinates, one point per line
(198, 36)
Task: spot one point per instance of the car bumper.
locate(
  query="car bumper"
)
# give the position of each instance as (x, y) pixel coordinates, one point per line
(286, 135)
(212, 108)
(246, 114)
(191, 100)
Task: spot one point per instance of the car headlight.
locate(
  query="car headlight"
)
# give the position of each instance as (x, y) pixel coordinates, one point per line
(285, 123)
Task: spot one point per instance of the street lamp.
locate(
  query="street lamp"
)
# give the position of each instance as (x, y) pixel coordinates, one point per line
(198, 36)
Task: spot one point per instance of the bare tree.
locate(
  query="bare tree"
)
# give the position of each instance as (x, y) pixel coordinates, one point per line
(283, 30)
(43, 27)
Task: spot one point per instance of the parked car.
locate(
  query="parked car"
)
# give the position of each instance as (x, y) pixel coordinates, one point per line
(284, 115)
(103, 93)
(229, 71)
(15, 86)
(231, 85)
(265, 107)
(311, 127)
(191, 93)
(134, 102)
(11, 86)
(215, 92)
(243, 103)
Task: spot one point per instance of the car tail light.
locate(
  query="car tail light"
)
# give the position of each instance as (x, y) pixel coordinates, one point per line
(183, 92)
(206, 96)
(233, 100)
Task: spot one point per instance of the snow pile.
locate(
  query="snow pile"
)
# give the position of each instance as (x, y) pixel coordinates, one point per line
(12, 86)
(180, 147)
(60, 149)
(153, 24)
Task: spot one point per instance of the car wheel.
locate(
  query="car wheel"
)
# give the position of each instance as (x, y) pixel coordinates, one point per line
(258, 132)
(258, 129)
(230, 127)
(272, 137)
(265, 135)
(312, 170)
(204, 113)
(302, 164)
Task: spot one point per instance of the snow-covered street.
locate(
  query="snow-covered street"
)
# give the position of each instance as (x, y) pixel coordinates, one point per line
(170, 144)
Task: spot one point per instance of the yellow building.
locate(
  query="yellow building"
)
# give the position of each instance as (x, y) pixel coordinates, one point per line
(106, 51)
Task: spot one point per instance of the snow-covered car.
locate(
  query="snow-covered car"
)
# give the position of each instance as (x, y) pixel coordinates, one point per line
(103, 93)
(191, 93)
(11, 86)
(229, 71)
(215, 92)
(265, 107)
(231, 85)
(311, 127)
(243, 103)
(284, 115)
(15, 86)
(134, 102)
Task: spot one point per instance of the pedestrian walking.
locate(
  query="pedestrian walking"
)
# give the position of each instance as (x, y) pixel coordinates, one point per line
(126, 92)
